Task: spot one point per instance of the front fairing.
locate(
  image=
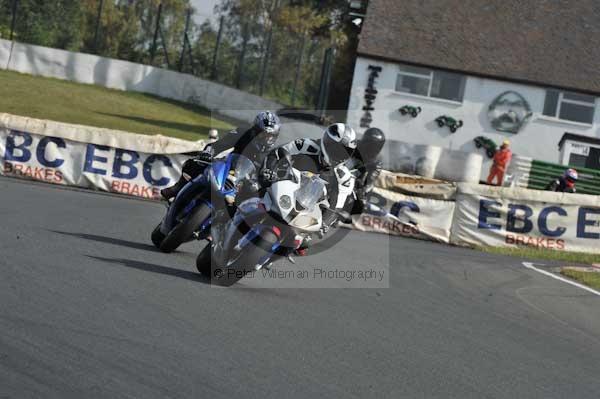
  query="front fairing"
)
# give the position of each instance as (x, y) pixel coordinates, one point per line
(226, 236)
(298, 201)
(212, 184)
(190, 196)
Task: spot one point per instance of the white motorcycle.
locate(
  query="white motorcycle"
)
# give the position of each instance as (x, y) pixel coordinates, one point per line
(266, 228)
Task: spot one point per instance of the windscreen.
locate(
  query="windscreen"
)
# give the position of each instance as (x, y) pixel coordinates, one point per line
(244, 168)
(312, 189)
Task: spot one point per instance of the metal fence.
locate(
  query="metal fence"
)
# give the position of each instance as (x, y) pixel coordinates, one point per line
(256, 54)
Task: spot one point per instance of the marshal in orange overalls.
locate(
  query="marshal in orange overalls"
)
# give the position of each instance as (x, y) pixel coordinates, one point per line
(501, 161)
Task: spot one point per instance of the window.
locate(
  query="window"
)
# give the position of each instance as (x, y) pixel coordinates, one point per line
(577, 160)
(429, 83)
(570, 106)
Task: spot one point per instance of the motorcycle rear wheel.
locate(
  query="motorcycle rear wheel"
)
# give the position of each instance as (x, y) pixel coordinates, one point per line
(157, 237)
(185, 229)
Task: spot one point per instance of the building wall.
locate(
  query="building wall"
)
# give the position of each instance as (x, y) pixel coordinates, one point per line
(537, 139)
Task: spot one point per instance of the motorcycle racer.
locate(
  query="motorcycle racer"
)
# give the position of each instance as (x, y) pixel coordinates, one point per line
(327, 157)
(254, 143)
(324, 156)
(565, 183)
(368, 166)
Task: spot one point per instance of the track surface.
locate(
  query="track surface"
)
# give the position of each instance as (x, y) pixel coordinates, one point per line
(89, 309)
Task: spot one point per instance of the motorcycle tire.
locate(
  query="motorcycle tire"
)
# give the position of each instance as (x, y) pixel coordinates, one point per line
(157, 237)
(244, 264)
(185, 229)
(203, 261)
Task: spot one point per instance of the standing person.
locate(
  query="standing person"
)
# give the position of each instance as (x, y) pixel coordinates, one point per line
(501, 160)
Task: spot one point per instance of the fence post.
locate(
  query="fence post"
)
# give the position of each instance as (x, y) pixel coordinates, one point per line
(98, 20)
(13, 23)
(240, 68)
(325, 79)
(191, 55)
(156, 30)
(298, 70)
(185, 39)
(213, 69)
(164, 45)
(263, 70)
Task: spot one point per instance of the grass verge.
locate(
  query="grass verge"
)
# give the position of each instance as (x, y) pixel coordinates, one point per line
(534, 253)
(69, 102)
(591, 279)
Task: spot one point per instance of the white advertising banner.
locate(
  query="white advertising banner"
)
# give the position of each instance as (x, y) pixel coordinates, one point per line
(403, 215)
(62, 161)
(513, 217)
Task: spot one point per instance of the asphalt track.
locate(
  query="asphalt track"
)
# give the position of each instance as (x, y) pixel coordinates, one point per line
(89, 309)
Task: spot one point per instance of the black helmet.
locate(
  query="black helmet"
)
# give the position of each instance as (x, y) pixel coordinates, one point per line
(338, 144)
(267, 126)
(371, 143)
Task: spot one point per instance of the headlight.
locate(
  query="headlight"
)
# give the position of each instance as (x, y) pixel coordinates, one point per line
(285, 202)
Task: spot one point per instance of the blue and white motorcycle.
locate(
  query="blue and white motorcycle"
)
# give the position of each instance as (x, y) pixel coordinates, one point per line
(266, 228)
(190, 214)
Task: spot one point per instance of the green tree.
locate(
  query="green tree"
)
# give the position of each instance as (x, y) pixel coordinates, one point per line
(296, 30)
(281, 40)
(52, 23)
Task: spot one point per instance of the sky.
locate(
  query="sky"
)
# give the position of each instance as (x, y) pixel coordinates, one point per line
(204, 9)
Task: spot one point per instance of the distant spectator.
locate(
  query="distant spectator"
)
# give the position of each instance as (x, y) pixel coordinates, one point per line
(565, 183)
(501, 160)
(213, 135)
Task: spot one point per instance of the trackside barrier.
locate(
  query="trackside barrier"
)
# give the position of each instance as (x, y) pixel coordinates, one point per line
(416, 186)
(526, 172)
(124, 75)
(490, 216)
(140, 165)
(433, 162)
(515, 217)
(93, 158)
(543, 172)
(409, 216)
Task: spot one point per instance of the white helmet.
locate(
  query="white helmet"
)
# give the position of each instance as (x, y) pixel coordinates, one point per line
(571, 175)
(338, 144)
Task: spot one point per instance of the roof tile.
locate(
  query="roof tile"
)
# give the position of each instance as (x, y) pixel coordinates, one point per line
(542, 42)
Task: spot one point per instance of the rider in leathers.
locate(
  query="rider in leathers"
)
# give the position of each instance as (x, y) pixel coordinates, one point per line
(366, 165)
(325, 157)
(254, 143)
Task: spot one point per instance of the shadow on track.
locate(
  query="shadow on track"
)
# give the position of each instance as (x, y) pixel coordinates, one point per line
(109, 240)
(152, 268)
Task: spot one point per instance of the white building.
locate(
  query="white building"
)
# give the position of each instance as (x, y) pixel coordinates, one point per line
(532, 90)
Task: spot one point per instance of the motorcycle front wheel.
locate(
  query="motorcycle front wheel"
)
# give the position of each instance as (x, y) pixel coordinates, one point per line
(242, 262)
(203, 261)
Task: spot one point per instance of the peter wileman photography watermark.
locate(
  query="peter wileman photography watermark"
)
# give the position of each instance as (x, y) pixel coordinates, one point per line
(316, 273)
(306, 275)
